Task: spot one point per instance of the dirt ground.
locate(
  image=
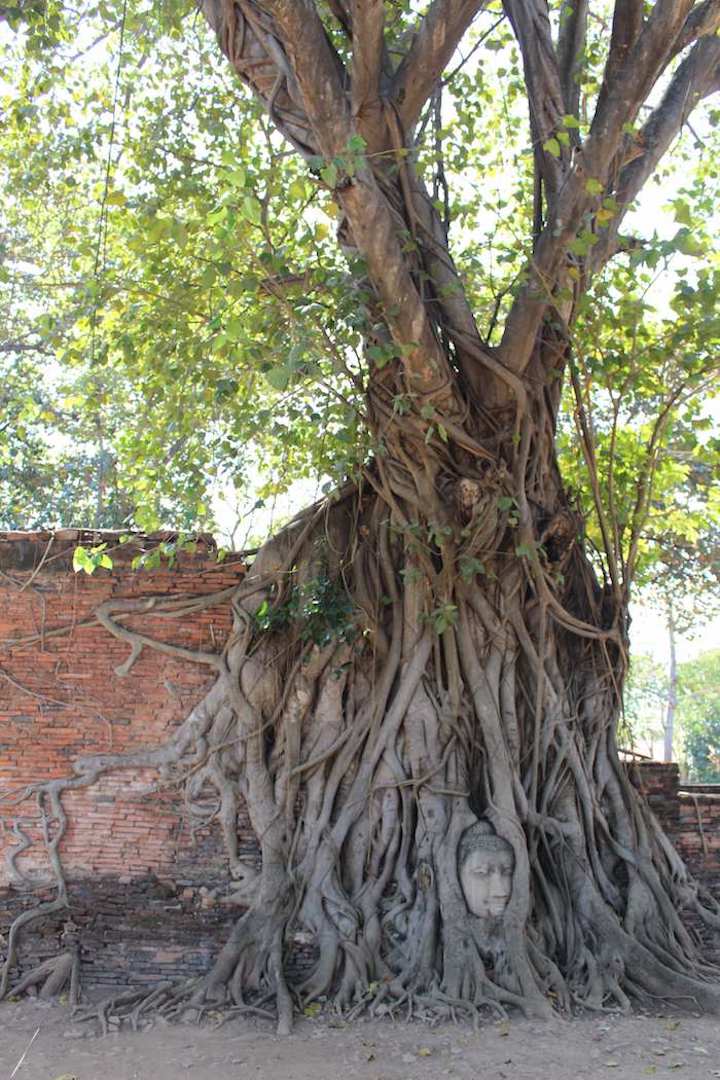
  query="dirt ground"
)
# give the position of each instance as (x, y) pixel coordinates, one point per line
(607, 1045)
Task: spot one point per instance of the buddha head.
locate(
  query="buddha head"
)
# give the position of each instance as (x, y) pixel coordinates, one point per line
(486, 863)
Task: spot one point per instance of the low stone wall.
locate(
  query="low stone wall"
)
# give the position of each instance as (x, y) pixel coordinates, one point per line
(690, 814)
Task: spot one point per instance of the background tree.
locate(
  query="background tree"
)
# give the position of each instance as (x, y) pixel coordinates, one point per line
(699, 716)
(645, 700)
(430, 644)
(643, 454)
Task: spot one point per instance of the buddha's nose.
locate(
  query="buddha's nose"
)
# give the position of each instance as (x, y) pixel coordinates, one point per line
(499, 885)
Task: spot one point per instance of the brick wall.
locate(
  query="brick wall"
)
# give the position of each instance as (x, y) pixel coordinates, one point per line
(140, 883)
(690, 815)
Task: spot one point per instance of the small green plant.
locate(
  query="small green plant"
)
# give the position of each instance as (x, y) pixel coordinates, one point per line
(469, 567)
(321, 609)
(89, 559)
(443, 617)
(509, 505)
(338, 171)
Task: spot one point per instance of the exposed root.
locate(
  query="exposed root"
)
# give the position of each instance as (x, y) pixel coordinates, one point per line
(393, 679)
(51, 978)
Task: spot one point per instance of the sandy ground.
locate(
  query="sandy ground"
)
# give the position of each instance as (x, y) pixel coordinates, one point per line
(619, 1048)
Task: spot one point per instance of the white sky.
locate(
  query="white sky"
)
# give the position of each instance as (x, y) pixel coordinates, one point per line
(648, 634)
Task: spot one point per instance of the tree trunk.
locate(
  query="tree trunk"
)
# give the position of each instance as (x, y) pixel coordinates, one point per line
(419, 709)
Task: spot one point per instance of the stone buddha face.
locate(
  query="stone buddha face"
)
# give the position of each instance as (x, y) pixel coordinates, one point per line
(486, 863)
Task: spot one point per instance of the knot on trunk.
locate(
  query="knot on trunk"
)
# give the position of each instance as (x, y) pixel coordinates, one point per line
(559, 535)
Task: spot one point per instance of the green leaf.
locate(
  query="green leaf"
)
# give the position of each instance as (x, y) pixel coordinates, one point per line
(593, 186)
(237, 176)
(682, 211)
(444, 617)
(524, 551)
(469, 567)
(297, 189)
(279, 377)
(552, 146)
(570, 121)
(81, 560)
(685, 242)
(329, 175)
(357, 144)
(252, 209)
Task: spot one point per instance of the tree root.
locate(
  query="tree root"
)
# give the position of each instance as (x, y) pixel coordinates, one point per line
(372, 706)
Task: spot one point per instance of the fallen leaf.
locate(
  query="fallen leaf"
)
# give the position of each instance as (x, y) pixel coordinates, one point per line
(424, 1051)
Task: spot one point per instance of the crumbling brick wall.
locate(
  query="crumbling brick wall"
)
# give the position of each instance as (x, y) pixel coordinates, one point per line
(690, 815)
(140, 882)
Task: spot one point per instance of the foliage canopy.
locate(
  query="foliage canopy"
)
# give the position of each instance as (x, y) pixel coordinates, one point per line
(178, 319)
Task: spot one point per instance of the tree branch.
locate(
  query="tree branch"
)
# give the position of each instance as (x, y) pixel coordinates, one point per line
(281, 51)
(368, 50)
(626, 26)
(531, 24)
(697, 77)
(433, 45)
(317, 70)
(337, 7)
(571, 43)
(629, 79)
(702, 21)
(246, 37)
(634, 79)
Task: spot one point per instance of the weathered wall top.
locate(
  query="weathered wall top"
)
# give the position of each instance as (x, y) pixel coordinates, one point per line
(52, 551)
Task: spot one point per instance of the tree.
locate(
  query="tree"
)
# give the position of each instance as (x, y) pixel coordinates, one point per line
(699, 716)
(645, 701)
(430, 644)
(643, 458)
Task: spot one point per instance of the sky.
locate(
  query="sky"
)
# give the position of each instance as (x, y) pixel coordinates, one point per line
(648, 634)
